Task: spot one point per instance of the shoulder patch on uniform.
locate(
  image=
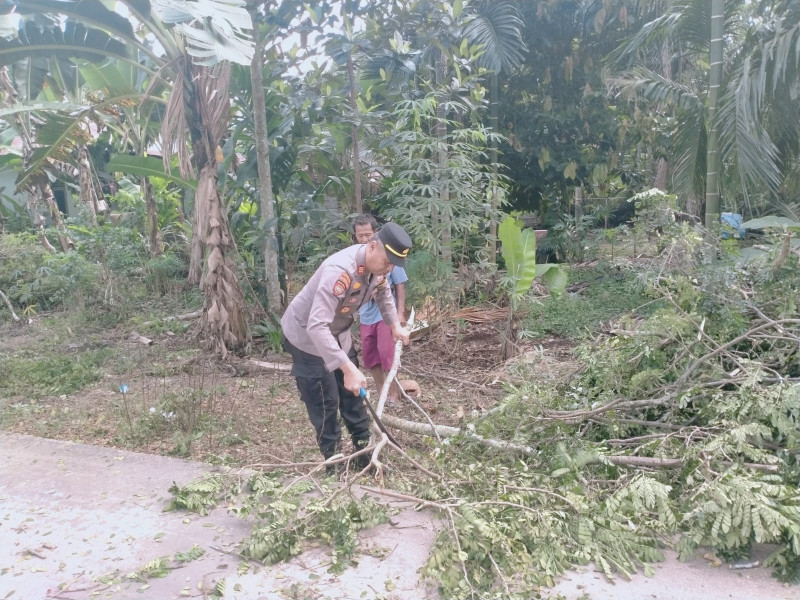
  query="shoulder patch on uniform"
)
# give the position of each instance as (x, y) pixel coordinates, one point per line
(381, 280)
(361, 269)
(341, 285)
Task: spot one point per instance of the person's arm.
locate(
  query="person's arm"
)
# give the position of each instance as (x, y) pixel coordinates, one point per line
(385, 302)
(383, 296)
(400, 290)
(320, 317)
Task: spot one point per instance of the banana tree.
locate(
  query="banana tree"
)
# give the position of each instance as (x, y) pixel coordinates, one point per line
(519, 255)
(196, 40)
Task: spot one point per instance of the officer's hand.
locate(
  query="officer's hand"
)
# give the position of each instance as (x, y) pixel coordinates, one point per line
(400, 333)
(354, 379)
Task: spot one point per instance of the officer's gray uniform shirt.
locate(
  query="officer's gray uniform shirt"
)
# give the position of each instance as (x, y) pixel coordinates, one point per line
(319, 318)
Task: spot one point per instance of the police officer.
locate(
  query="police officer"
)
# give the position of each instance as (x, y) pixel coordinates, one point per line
(316, 329)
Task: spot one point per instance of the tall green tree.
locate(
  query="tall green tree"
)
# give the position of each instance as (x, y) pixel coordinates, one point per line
(749, 96)
(553, 108)
(497, 28)
(714, 84)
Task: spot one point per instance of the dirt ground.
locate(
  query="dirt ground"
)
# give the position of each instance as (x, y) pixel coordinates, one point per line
(180, 401)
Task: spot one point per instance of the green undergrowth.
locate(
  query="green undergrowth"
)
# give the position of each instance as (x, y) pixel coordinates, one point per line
(50, 374)
(603, 293)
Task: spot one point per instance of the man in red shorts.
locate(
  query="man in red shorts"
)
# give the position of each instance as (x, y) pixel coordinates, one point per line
(377, 343)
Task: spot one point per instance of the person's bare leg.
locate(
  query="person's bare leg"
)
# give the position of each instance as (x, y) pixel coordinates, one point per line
(379, 376)
(394, 390)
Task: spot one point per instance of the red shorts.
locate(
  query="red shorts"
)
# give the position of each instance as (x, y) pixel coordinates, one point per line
(377, 345)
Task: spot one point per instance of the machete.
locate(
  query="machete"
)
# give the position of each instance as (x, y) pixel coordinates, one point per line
(364, 395)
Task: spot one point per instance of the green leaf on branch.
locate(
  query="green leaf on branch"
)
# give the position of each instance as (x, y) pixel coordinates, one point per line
(145, 166)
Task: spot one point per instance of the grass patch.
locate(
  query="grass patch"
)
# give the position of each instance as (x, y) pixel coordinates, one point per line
(607, 294)
(51, 375)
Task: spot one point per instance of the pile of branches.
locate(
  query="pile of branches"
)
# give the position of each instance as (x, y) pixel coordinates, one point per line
(683, 430)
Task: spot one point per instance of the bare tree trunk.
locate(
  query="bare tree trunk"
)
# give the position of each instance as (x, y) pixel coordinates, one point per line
(441, 156)
(55, 216)
(694, 204)
(578, 206)
(38, 220)
(87, 189)
(154, 234)
(495, 190)
(356, 151)
(224, 311)
(660, 180)
(715, 82)
(662, 166)
(268, 222)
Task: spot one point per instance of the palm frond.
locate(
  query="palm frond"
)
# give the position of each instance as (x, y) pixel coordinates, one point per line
(215, 30)
(655, 88)
(689, 147)
(741, 134)
(497, 26)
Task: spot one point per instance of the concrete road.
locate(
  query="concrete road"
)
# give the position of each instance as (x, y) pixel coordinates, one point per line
(75, 517)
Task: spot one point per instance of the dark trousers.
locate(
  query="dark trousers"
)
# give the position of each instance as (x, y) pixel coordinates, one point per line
(325, 398)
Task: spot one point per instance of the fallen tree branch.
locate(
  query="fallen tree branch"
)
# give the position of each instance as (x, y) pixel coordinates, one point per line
(694, 366)
(11, 308)
(187, 317)
(271, 366)
(618, 404)
(420, 409)
(446, 431)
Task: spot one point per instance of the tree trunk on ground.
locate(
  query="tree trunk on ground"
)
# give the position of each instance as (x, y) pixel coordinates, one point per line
(268, 221)
(154, 234)
(715, 82)
(8, 303)
(356, 152)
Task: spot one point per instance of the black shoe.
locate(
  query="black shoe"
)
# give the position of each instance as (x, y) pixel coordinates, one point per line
(336, 468)
(361, 461)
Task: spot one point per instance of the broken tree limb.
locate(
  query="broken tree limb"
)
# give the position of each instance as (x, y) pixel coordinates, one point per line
(187, 317)
(8, 303)
(446, 431)
(390, 377)
(272, 366)
(419, 408)
(135, 337)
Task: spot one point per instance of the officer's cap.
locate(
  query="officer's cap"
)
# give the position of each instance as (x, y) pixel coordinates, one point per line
(396, 242)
